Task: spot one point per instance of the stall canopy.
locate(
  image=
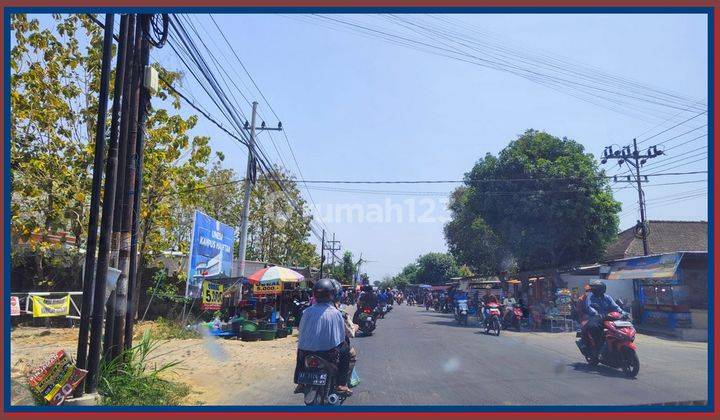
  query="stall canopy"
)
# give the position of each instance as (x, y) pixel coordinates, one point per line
(275, 274)
(651, 267)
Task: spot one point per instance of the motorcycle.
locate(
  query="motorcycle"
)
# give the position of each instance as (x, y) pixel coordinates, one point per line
(619, 350)
(492, 319)
(317, 376)
(428, 304)
(366, 321)
(298, 309)
(461, 312)
(513, 318)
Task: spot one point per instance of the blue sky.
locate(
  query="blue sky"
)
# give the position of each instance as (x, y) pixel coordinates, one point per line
(359, 108)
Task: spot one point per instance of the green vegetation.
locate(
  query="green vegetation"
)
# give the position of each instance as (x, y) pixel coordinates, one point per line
(131, 380)
(167, 329)
(430, 268)
(541, 203)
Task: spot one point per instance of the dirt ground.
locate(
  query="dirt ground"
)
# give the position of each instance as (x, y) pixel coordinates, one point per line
(219, 371)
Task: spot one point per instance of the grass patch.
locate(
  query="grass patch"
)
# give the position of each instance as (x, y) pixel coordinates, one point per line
(166, 329)
(129, 380)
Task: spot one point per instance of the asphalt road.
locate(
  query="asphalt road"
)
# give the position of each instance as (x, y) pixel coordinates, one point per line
(423, 358)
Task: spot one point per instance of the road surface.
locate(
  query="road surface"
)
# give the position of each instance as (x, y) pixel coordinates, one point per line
(423, 358)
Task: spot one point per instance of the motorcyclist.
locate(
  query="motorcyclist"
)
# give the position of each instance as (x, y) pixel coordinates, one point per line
(597, 305)
(488, 297)
(322, 330)
(367, 299)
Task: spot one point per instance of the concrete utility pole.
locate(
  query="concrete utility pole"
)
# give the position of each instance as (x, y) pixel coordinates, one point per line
(250, 181)
(322, 253)
(636, 161)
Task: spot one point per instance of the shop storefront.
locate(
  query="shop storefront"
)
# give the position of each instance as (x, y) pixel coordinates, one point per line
(664, 291)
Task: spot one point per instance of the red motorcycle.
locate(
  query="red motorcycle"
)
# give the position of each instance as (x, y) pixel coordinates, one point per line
(492, 318)
(513, 318)
(620, 351)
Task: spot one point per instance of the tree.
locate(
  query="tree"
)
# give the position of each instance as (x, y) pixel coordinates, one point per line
(541, 203)
(54, 83)
(430, 268)
(436, 268)
(279, 228)
(345, 271)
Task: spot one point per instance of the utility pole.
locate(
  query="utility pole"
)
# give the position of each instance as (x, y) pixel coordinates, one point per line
(144, 104)
(636, 161)
(91, 244)
(128, 200)
(108, 207)
(116, 224)
(322, 253)
(250, 174)
(334, 246)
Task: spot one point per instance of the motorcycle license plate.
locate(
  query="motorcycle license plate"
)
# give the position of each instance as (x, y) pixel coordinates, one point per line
(369, 318)
(312, 378)
(622, 324)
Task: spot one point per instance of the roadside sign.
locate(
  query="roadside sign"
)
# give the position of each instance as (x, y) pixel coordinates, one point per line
(211, 296)
(211, 252)
(267, 288)
(14, 306)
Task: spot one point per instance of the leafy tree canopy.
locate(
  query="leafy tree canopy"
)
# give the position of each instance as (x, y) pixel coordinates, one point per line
(541, 203)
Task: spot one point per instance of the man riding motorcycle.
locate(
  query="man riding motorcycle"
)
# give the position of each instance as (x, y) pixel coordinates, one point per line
(597, 305)
(322, 330)
(489, 297)
(367, 299)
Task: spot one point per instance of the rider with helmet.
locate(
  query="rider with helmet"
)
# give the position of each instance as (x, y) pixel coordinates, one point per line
(322, 330)
(597, 305)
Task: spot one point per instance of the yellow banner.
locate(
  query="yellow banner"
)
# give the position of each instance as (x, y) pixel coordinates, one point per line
(211, 296)
(274, 288)
(50, 307)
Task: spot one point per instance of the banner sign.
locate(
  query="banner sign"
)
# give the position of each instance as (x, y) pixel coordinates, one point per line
(56, 379)
(50, 307)
(267, 288)
(211, 253)
(652, 267)
(212, 294)
(14, 306)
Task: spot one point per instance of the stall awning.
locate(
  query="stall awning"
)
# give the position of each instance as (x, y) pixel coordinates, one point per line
(662, 266)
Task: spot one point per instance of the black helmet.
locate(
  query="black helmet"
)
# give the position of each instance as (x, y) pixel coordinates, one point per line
(598, 287)
(324, 290)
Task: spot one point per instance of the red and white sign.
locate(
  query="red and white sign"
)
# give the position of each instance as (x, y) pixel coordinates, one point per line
(14, 306)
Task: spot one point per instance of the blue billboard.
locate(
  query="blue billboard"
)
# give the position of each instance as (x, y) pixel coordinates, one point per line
(211, 253)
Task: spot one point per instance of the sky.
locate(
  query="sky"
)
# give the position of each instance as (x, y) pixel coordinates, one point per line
(361, 108)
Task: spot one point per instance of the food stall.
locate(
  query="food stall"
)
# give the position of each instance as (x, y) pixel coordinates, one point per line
(660, 292)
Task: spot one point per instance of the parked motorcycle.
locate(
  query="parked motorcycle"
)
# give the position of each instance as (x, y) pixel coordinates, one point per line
(619, 350)
(461, 312)
(492, 319)
(317, 377)
(513, 318)
(298, 309)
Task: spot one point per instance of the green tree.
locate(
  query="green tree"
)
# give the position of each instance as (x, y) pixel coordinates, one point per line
(55, 73)
(541, 203)
(436, 268)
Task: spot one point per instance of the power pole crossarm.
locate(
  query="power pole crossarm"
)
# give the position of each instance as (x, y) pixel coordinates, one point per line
(636, 160)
